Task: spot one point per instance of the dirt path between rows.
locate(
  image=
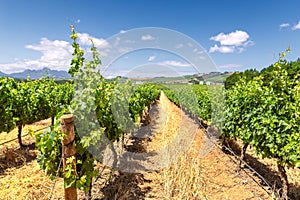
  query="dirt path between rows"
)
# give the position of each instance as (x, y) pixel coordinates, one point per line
(171, 158)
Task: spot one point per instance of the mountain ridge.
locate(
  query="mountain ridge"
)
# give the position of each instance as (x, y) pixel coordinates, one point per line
(36, 74)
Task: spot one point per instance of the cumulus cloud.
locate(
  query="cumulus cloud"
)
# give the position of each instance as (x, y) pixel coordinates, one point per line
(147, 37)
(231, 42)
(248, 43)
(221, 49)
(55, 54)
(123, 31)
(52, 50)
(284, 25)
(236, 38)
(151, 58)
(84, 39)
(297, 26)
(174, 63)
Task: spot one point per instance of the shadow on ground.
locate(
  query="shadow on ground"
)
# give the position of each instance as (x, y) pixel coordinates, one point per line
(271, 176)
(125, 186)
(16, 157)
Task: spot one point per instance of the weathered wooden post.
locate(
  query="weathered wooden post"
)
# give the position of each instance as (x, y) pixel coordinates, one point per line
(69, 150)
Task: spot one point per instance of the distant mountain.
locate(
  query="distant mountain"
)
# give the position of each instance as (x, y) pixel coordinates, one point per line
(201, 78)
(2, 74)
(36, 74)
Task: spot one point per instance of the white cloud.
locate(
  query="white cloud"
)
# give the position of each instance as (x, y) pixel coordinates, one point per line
(123, 31)
(297, 26)
(236, 38)
(84, 39)
(241, 49)
(178, 46)
(52, 50)
(117, 41)
(222, 49)
(77, 21)
(284, 25)
(151, 58)
(190, 44)
(45, 44)
(231, 42)
(248, 43)
(56, 54)
(174, 63)
(230, 66)
(124, 49)
(147, 37)
(200, 58)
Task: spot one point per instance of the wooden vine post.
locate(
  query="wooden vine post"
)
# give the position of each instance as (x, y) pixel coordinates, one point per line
(68, 151)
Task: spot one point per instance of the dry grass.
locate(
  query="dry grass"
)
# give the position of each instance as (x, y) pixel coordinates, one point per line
(28, 182)
(188, 176)
(20, 175)
(193, 176)
(26, 129)
(268, 168)
(182, 179)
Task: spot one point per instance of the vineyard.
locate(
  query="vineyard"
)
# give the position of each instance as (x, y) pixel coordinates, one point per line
(261, 114)
(30, 101)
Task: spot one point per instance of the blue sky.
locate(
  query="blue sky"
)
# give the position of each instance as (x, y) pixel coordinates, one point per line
(235, 34)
